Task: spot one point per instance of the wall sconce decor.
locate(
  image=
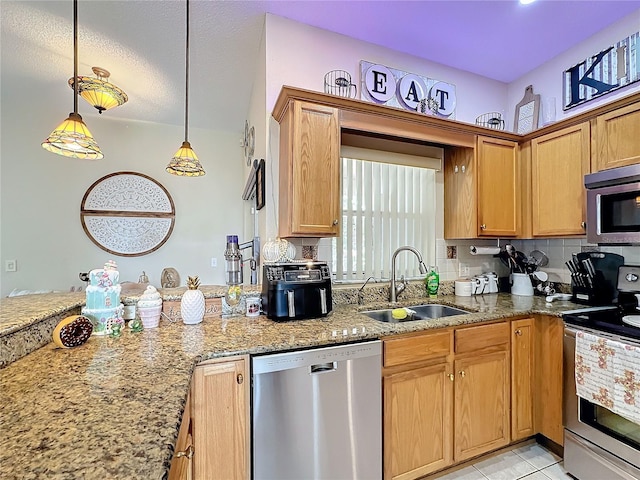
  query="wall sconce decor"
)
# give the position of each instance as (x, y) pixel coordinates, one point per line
(72, 138)
(98, 91)
(185, 162)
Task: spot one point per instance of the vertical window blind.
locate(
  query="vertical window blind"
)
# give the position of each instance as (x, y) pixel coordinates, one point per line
(384, 206)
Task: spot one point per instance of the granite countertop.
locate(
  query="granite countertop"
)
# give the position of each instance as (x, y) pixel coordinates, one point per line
(111, 408)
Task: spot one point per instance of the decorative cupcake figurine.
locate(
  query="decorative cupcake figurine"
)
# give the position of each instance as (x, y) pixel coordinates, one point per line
(192, 303)
(150, 307)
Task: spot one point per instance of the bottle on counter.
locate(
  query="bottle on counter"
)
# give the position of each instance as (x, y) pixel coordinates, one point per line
(432, 281)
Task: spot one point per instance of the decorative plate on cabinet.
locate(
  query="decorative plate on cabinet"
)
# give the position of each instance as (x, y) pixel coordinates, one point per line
(127, 214)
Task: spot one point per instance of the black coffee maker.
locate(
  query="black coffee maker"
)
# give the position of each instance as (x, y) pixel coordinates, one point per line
(629, 289)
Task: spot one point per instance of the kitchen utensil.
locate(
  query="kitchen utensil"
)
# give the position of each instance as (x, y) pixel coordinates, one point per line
(538, 258)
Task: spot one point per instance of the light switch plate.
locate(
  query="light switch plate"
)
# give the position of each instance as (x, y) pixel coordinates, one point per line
(11, 266)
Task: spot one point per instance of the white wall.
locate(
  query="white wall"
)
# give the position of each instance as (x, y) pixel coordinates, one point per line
(547, 79)
(41, 193)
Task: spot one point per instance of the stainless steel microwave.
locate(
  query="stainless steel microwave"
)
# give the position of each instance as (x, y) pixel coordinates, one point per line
(613, 206)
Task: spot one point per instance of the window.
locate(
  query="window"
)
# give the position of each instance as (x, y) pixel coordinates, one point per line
(384, 206)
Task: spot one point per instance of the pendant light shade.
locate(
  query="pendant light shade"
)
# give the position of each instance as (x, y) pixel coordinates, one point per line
(72, 138)
(98, 91)
(185, 162)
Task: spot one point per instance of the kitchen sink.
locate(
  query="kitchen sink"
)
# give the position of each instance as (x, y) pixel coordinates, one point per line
(422, 312)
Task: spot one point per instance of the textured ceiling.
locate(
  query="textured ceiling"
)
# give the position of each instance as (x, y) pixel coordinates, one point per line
(142, 43)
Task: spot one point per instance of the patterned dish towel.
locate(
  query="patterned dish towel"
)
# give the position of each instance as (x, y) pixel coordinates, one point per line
(608, 374)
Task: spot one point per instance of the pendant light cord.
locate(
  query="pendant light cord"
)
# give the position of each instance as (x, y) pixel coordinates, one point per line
(186, 87)
(75, 56)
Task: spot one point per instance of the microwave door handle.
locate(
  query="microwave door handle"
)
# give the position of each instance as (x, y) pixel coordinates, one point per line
(598, 215)
(323, 300)
(291, 303)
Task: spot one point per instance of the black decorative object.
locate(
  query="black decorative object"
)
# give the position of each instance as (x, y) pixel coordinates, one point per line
(260, 185)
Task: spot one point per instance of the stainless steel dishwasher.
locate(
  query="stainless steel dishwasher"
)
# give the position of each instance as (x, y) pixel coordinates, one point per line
(317, 414)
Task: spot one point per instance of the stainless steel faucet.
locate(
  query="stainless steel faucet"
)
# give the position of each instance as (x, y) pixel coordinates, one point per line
(397, 290)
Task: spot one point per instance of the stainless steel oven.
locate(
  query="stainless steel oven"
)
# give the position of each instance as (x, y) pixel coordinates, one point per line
(613, 205)
(598, 443)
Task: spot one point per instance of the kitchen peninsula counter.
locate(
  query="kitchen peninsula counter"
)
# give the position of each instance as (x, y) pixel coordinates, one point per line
(111, 408)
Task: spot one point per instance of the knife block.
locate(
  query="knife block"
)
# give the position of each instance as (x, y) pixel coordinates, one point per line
(605, 282)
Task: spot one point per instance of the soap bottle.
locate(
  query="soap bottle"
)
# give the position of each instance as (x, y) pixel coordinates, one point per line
(432, 281)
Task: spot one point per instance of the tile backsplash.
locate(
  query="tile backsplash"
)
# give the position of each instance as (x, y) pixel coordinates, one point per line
(463, 263)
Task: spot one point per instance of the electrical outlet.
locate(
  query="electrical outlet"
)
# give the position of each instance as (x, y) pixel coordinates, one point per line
(214, 262)
(11, 266)
(464, 270)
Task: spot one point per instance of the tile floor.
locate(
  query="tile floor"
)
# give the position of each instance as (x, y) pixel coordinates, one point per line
(527, 462)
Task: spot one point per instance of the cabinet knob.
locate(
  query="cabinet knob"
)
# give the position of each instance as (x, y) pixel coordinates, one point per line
(518, 332)
(462, 374)
(483, 226)
(452, 377)
(187, 453)
(583, 225)
(240, 379)
(335, 222)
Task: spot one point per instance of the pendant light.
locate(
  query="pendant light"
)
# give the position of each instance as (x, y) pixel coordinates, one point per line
(185, 162)
(72, 138)
(98, 91)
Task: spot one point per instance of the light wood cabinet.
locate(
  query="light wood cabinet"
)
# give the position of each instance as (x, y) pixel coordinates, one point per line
(482, 386)
(182, 463)
(549, 333)
(417, 404)
(559, 161)
(481, 190)
(418, 409)
(498, 180)
(446, 398)
(615, 140)
(220, 415)
(522, 378)
(309, 197)
(460, 198)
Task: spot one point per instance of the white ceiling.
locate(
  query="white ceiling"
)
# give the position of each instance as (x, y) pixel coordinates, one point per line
(142, 43)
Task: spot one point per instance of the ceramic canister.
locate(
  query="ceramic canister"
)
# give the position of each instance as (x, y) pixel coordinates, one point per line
(463, 287)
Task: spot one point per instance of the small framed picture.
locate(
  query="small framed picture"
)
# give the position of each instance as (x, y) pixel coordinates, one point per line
(260, 185)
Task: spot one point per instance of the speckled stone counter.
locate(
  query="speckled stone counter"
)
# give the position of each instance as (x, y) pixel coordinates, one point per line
(112, 407)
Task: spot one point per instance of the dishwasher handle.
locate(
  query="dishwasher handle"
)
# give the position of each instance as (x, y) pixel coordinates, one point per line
(323, 368)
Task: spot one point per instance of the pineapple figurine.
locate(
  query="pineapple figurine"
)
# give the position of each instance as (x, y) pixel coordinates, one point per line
(192, 303)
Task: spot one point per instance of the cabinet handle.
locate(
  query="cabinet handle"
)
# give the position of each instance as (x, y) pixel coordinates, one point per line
(335, 222)
(583, 225)
(462, 374)
(240, 379)
(452, 377)
(518, 332)
(187, 453)
(483, 226)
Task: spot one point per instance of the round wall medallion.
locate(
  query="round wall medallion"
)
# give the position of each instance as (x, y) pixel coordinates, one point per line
(127, 214)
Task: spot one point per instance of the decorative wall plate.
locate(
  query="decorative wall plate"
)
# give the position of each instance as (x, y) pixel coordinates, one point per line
(127, 214)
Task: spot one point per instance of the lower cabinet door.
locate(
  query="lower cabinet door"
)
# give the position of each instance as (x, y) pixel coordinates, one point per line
(481, 404)
(418, 421)
(220, 399)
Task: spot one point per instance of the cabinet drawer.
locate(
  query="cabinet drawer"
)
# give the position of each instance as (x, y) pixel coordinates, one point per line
(482, 336)
(414, 349)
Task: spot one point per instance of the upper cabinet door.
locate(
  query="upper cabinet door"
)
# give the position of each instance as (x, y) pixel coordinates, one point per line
(559, 162)
(616, 140)
(498, 187)
(310, 171)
